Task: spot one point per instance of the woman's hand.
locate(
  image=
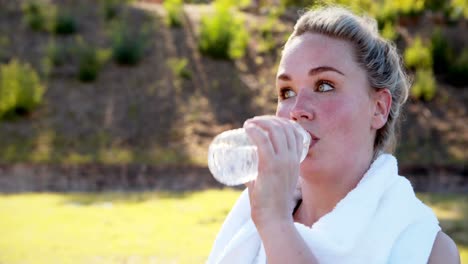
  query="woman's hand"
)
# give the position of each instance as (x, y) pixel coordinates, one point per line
(279, 149)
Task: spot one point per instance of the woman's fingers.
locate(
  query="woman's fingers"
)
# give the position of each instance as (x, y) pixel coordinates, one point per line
(259, 138)
(275, 131)
(291, 136)
(275, 136)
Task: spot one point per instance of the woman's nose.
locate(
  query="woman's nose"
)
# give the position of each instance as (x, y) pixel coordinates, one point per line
(300, 114)
(301, 110)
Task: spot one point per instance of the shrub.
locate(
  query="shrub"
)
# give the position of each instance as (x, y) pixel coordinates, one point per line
(90, 61)
(442, 53)
(127, 47)
(179, 68)
(417, 55)
(407, 8)
(436, 5)
(389, 31)
(110, 8)
(459, 8)
(458, 71)
(88, 64)
(56, 54)
(4, 44)
(222, 35)
(20, 89)
(175, 11)
(65, 24)
(294, 3)
(36, 16)
(424, 86)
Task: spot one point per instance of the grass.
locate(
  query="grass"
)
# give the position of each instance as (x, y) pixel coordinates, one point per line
(149, 227)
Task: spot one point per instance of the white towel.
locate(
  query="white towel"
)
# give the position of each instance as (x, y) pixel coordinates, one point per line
(380, 221)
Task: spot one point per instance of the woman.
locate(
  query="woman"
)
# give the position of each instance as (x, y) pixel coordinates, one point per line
(345, 85)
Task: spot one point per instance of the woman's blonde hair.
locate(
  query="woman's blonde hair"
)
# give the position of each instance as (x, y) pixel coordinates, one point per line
(377, 56)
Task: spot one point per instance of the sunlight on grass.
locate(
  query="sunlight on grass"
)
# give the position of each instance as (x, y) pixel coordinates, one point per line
(111, 227)
(452, 212)
(148, 227)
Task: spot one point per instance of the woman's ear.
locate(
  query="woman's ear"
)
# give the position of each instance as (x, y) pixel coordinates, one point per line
(382, 99)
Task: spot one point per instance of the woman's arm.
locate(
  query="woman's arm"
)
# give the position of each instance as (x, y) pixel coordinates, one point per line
(271, 195)
(444, 251)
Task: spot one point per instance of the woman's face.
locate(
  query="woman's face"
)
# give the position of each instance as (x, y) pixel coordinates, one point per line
(320, 85)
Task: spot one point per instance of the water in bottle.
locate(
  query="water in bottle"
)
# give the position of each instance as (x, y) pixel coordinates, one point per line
(233, 158)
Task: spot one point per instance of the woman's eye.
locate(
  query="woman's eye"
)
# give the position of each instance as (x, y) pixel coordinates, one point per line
(324, 87)
(287, 93)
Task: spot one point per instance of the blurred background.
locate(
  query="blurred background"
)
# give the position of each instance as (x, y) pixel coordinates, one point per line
(107, 108)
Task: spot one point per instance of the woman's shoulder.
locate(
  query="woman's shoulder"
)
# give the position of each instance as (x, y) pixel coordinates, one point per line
(444, 250)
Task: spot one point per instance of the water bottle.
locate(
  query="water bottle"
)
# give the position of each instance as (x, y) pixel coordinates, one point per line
(233, 158)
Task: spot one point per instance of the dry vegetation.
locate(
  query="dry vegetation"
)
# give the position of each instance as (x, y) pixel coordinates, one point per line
(166, 108)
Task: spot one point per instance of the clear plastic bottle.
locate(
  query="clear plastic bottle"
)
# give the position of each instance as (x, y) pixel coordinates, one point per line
(233, 158)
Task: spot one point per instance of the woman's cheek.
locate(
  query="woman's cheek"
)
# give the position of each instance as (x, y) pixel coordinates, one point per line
(283, 109)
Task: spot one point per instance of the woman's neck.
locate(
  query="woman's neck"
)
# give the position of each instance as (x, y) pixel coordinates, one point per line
(320, 197)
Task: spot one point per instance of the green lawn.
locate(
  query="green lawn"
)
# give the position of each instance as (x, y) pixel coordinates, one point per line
(151, 227)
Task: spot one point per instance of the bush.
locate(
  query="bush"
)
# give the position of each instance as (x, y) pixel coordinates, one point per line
(110, 8)
(417, 56)
(424, 86)
(127, 47)
(222, 35)
(459, 8)
(388, 31)
(442, 53)
(4, 45)
(175, 11)
(436, 5)
(458, 71)
(407, 8)
(56, 54)
(36, 16)
(90, 61)
(20, 89)
(179, 68)
(65, 24)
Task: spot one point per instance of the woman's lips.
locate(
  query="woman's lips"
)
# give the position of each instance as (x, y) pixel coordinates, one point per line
(313, 140)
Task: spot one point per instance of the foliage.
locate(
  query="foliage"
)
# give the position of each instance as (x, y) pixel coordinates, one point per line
(179, 68)
(458, 71)
(442, 53)
(20, 89)
(404, 7)
(267, 42)
(459, 8)
(294, 3)
(424, 86)
(388, 31)
(37, 15)
(110, 8)
(64, 23)
(127, 46)
(223, 35)
(57, 54)
(175, 12)
(417, 55)
(436, 5)
(4, 45)
(90, 61)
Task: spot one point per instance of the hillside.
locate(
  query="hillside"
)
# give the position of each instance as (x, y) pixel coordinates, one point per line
(165, 110)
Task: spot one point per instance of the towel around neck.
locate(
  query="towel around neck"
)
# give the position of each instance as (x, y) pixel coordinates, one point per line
(379, 221)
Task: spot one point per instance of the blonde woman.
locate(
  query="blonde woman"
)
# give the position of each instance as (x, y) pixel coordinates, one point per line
(345, 85)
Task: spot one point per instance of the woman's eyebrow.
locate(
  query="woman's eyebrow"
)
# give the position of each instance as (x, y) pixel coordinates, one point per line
(321, 69)
(313, 71)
